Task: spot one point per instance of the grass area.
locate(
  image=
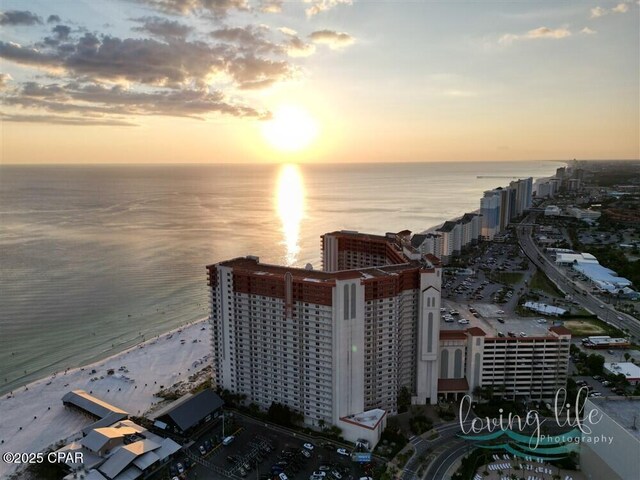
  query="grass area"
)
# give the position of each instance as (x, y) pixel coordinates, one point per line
(507, 278)
(539, 281)
(591, 327)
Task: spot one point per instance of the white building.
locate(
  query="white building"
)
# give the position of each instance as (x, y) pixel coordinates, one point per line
(428, 243)
(343, 341)
(552, 211)
(582, 214)
(451, 233)
(631, 371)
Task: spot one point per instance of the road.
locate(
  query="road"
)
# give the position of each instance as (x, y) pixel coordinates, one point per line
(584, 297)
(447, 437)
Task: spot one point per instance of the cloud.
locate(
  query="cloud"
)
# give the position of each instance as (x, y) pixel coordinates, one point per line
(544, 32)
(460, 93)
(169, 67)
(535, 34)
(98, 99)
(62, 120)
(600, 12)
(271, 6)
(318, 6)
(249, 39)
(620, 8)
(294, 45)
(19, 17)
(251, 72)
(219, 8)
(61, 32)
(162, 27)
(588, 31)
(5, 78)
(334, 40)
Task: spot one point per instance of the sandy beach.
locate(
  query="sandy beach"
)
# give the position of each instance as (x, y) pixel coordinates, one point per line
(33, 417)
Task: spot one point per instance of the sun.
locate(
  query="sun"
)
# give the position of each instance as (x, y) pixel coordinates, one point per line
(291, 129)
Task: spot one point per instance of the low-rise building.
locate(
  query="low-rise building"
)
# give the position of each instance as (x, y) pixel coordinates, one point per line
(519, 367)
(631, 371)
(189, 413)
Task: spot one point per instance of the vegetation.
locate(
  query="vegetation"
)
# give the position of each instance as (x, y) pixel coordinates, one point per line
(507, 278)
(592, 326)
(470, 464)
(539, 281)
(392, 440)
(404, 400)
(420, 424)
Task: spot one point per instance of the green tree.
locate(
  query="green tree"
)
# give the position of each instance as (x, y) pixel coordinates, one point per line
(404, 399)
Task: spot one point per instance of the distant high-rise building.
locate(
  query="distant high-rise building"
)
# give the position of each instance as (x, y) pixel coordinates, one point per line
(490, 211)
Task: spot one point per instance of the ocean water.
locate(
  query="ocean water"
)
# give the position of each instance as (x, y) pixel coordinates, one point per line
(94, 258)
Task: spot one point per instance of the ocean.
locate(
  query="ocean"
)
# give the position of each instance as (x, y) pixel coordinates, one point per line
(95, 258)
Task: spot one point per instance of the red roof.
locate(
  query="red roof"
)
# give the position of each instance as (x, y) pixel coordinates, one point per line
(476, 332)
(453, 385)
(560, 330)
(452, 335)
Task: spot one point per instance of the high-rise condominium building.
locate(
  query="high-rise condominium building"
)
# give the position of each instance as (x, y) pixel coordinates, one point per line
(335, 345)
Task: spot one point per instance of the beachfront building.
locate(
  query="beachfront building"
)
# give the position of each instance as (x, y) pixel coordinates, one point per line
(335, 345)
(428, 244)
(189, 414)
(451, 233)
(121, 451)
(523, 191)
(490, 211)
(513, 366)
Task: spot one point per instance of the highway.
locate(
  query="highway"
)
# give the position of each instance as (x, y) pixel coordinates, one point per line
(588, 301)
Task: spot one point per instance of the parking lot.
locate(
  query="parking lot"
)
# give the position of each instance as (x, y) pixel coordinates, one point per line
(261, 451)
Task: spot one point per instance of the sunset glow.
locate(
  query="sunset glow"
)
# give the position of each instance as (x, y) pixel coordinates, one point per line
(289, 198)
(290, 130)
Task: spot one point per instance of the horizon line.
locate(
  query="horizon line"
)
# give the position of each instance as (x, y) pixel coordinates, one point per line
(386, 162)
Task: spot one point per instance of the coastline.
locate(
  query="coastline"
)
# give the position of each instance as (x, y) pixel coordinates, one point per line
(34, 418)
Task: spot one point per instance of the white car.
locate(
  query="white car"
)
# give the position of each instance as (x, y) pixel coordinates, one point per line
(180, 468)
(308, 446)
(500, 312)
(305, 453)
(342, 451)
(319, 474)
(463, 321)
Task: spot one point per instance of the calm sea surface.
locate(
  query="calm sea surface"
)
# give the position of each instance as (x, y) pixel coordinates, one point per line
(94, 258)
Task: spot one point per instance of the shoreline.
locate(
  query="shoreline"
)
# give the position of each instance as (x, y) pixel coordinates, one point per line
(34, 418)
(98, 357)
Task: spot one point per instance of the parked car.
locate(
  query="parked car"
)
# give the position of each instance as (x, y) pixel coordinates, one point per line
(308, 446)
(342, 451)
(203, 451)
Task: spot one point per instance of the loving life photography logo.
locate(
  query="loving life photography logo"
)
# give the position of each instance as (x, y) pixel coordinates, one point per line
(549, 435)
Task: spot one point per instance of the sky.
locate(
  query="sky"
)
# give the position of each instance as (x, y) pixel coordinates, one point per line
(244, 81)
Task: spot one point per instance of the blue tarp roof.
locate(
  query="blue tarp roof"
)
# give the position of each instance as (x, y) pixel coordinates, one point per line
(597, 273)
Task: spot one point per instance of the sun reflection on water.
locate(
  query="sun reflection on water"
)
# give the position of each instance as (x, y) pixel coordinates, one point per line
(290, 208)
